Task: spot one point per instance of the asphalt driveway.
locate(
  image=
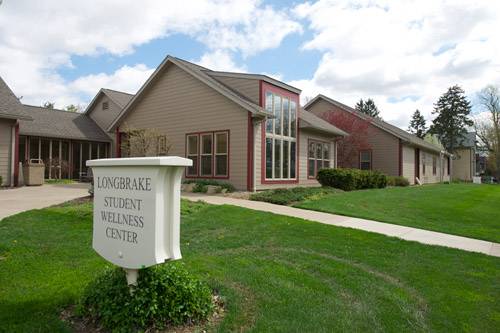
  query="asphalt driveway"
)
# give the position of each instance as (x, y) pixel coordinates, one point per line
(16, 200)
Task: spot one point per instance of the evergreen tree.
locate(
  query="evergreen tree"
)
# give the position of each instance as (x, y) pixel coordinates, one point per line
(417, 125)
(452, 117)
(368, 108)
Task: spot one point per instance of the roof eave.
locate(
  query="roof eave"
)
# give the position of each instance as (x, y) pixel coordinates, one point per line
(15, 116)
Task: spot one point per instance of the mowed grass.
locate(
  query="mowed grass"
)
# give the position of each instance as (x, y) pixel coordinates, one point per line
(460, 209)
(276, 274)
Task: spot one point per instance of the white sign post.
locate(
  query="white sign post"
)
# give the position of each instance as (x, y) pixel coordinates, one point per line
(137, 210)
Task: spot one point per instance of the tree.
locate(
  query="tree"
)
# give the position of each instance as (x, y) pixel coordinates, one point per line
(452, 117)
(73, 108)
(487, 125)
(368, 108)
(48, 105)
(144, 142)
(348, 147)
(417, 125)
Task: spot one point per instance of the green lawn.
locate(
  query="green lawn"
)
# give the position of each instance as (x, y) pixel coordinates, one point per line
(460, 209)
(277, 274)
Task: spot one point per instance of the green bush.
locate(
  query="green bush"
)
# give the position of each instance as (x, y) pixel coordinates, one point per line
(201, 184)
(289, 196)
(165, 295)
(351, 179)
(397, 181)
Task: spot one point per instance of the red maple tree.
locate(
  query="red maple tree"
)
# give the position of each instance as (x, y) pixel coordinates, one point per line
(348, 147)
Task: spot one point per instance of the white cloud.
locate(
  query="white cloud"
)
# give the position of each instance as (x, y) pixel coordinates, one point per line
(39, 37)
(392, 49)
(220, 60)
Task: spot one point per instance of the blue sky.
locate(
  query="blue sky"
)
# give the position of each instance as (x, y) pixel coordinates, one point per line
(403, 54)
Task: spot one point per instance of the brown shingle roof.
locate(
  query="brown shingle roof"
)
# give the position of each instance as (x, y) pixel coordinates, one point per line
(10, 107)
(53, 123)
(119, 97)
(309, 120)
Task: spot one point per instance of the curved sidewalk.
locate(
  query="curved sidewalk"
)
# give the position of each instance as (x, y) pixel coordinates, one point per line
(394, 230)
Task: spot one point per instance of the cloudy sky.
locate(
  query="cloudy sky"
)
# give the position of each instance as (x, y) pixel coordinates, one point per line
(403, 54)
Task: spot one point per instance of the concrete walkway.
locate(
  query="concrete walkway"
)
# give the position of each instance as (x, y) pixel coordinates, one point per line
(16, 200)
(407, 233)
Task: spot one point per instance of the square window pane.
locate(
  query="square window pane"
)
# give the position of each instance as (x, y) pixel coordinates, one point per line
(326, 164)
(365, 166)
(310, 168)
(269, 102)
(326, 151)
(285, 158)
(319, 165)
(319, 150)
(206, 144)
(269, 158)
(277, 114)
(286, 117)
(311, 149)
(192, 144)
(365, 156)
(277, 158)
(206, 165)
(293, 119)
(221, 165)
(293, 154)
(193, 170)
(221, 142)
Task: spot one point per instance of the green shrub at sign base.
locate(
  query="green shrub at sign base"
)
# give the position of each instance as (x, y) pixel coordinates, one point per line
(165, 295)
(397, 181)
(351, 179)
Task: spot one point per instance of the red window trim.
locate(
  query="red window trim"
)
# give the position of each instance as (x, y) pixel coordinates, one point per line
(213, 133)
(315, 159)
(371, 158)
(264, 87)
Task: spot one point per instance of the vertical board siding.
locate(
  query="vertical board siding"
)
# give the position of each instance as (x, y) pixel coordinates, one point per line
(409, 163)
(462, 164)
(177, 103)
(249, 88)
(5, 150)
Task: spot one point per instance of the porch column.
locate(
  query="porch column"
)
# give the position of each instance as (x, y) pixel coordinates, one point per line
(60, 159)
(39, 148)
(98, 150)
(50, 159)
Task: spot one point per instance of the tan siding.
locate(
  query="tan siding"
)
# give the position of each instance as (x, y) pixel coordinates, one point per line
(258, 154)
(5, 150)
(249, 88)
(384, 146)
(177, 103)
(103, 118)
(426, 158)
(409, 163)
(462, 165)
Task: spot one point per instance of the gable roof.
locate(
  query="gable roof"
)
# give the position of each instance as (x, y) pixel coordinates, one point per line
(10, 107)
(53, 123)
(200, 73)
(391, 129)
(309, 120)
(251, 76)
(120, 98)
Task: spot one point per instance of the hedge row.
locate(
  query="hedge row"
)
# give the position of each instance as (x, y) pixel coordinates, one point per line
(397, 181)
(351, 179)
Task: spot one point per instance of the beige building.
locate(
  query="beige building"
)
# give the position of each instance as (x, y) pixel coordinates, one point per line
(384, 147)
(245, 129)
(464, 158)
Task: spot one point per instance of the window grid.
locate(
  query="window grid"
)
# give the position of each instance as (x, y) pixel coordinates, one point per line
(318, 157)
(365, 162)
(277, 133)
(196, 171)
